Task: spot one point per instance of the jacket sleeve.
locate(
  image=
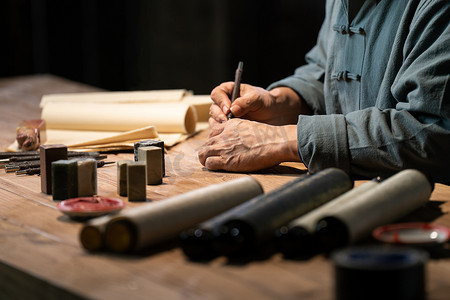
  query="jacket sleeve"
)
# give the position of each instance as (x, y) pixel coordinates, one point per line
(409, 127)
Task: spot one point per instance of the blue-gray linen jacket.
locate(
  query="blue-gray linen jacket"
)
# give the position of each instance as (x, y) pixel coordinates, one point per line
(378, 85)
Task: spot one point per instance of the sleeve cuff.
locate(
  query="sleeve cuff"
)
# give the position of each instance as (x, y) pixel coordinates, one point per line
(322, 142)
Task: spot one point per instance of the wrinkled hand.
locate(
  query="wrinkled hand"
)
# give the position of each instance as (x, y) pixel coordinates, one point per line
(243, 146)
(280, 106)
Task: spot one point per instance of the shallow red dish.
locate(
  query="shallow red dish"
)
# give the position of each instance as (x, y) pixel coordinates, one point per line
(90, 206)
(415, 233)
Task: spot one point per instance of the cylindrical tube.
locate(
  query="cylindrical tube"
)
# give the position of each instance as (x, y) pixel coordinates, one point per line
(371, 273)
(252, 228)
(393, 198)
(196, 242)
(140, 227)
(296, 239)
(166, 117)
(92, 233)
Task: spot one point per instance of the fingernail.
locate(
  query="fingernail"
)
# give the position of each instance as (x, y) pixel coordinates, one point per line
(235, 110)
(225, 109)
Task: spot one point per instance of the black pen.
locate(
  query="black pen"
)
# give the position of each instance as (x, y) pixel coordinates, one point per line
(237, 85)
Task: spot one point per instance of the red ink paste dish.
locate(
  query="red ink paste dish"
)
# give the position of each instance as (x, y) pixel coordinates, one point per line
(419, 234)
(95, 206)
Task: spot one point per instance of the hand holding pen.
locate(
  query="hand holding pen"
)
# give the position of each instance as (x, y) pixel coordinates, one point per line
(279, 106)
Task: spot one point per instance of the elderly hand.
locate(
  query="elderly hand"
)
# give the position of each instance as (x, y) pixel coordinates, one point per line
(280, 106)
(244, 146)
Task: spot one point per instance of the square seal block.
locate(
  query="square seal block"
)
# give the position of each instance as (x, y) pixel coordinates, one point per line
(49, 154)
(147, 143)
(136, 187)
(64, 179)
(87, 177)
(122, 181)
(154, 168)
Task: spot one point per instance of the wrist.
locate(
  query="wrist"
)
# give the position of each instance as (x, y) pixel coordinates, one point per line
(289, 147)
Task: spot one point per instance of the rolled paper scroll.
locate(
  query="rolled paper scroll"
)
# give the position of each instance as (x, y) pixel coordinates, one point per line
(140, 227)
(113, 121)
(296, 239)
(174, 95)
(252, 229)
(200, 102)
(166, 117)
(390, 200)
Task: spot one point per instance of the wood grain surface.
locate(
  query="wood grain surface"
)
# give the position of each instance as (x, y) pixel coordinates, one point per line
(41, 256)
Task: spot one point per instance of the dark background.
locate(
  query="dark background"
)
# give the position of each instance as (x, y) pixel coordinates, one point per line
(157, 44)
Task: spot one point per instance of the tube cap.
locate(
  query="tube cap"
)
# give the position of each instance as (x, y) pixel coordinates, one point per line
(376, 272)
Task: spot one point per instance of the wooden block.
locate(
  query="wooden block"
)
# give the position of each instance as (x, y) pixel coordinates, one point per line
(122, 183)
(87, 177)
(64, 179)
(152, 157)
(136, 187)
(147, 143)
(49, 154)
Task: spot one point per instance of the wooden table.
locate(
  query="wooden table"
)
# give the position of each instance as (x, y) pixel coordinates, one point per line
(41, 257)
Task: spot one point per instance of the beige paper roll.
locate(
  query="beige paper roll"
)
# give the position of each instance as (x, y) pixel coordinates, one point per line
(390, 200)
(117, 97)
(202, 103)
(166, 117)
(308, 221)
(142, 226)
(92, 233)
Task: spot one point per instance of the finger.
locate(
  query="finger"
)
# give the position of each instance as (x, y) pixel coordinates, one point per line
(221, 96)
(249, 101)
(216, 113)
(206, 152)
(216, 128)
(214, 163)
(201, 154)
(212, 122)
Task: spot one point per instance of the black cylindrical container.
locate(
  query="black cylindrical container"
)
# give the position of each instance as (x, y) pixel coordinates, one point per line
(196, 242)
(253, 226)
(374, 273)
